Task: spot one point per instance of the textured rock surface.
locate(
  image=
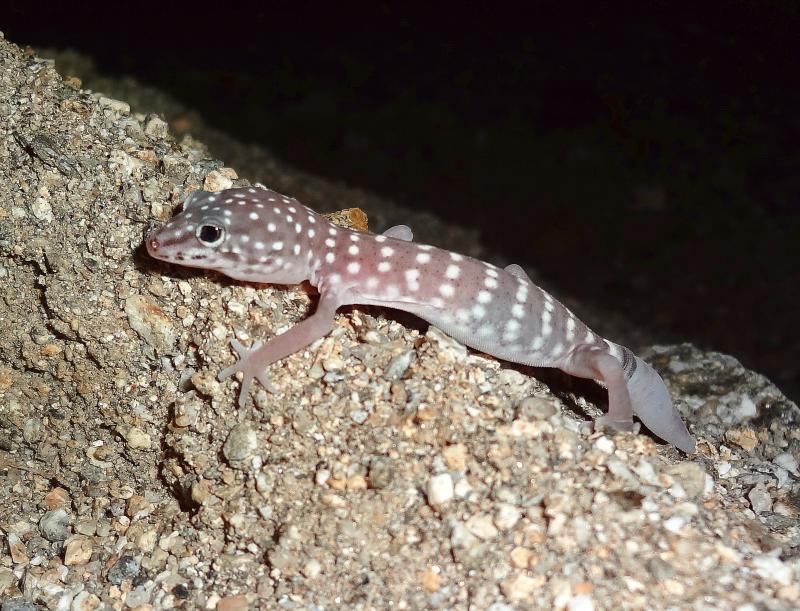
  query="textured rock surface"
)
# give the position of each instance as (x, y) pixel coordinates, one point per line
(394, 465)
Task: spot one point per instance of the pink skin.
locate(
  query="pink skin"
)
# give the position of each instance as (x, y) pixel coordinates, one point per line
(258, 235)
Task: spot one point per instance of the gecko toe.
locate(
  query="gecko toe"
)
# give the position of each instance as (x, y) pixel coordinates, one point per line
(626, 426)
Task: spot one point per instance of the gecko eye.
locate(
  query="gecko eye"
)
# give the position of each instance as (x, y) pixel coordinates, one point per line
(210, 235)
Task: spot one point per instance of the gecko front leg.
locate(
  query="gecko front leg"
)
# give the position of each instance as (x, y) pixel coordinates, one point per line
(252, 362)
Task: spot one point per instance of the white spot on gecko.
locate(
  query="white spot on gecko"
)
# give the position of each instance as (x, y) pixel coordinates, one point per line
(452, 272)
(423, 258)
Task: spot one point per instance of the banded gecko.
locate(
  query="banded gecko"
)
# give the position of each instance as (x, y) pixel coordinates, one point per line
(258, 235)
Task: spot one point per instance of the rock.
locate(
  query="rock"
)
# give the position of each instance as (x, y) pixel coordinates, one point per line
(440, 489)
(760, 499)
(126, 568)
(54, 525)
(242, 441)
(78, 550)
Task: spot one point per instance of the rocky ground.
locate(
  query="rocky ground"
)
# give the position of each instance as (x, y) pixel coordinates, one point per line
(395, 468)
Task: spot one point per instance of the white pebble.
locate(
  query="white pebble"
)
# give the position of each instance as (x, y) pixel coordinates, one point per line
(440, 489)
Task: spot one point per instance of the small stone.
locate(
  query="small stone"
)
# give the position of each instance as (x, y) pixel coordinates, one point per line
(138, 507)
(398, 366)
(57, 497)
(217, 181)
(156, 128)
(137, 597)
(85, 601)
(242, 441)
(333, 363)
(312, 569)
(482, 527)
(151, 323)
(431, 580)
(19, 553)
(78, 550)
(788, 462)
(42, 210)
(605, 445)
(357, 482)
(674, 524)
(233, 603)
(773, 569)
(113, 105)
(448, 349)
(520, 587)
(455, 456)
(18, 604)
(125, 569)
(381, 472)
(463, 488)
(691, 477)
(359, 416)
(54, 525)
(760, 499)
(135, 437)
(521, 557)
(536, 408)
(506, 516)
(744, 438)
(581, 602)
(462, 538)
(440, 489)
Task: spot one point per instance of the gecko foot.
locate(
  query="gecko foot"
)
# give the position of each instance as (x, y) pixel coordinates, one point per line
(250, 368)
(627, 426)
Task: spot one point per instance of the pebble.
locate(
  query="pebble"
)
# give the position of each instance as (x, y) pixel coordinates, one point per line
(381, 472)
(54, 525)
(359, 416)
(760, 499)
(481, 526)
(440, 489)
(135, 437)
(506, 516)
(773, 569)
(674, 524)
(455, 456)
(242, 441)
(398, 366)
(126, 568)
(520, 587)
(312, 569)
(18, 604)
(605, 445)
(581, 602)
(19, 553)
(786, 461)
(78, 550)
(536, 408)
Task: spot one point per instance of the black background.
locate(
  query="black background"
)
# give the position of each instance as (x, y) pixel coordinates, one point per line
(643, 157)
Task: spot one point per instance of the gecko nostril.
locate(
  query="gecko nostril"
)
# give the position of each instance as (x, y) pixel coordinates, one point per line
(154, 244)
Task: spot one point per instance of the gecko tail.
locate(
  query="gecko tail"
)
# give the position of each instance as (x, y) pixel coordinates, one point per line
(652, 404)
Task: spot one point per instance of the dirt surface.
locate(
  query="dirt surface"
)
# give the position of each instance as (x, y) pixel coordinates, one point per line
(395, 468)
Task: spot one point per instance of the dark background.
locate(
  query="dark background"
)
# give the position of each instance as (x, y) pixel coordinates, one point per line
(642, 157)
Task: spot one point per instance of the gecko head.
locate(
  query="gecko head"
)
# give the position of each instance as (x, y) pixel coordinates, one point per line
(247, 234)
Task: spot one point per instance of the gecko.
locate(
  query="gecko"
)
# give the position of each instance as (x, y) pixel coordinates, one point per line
(259, 235)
